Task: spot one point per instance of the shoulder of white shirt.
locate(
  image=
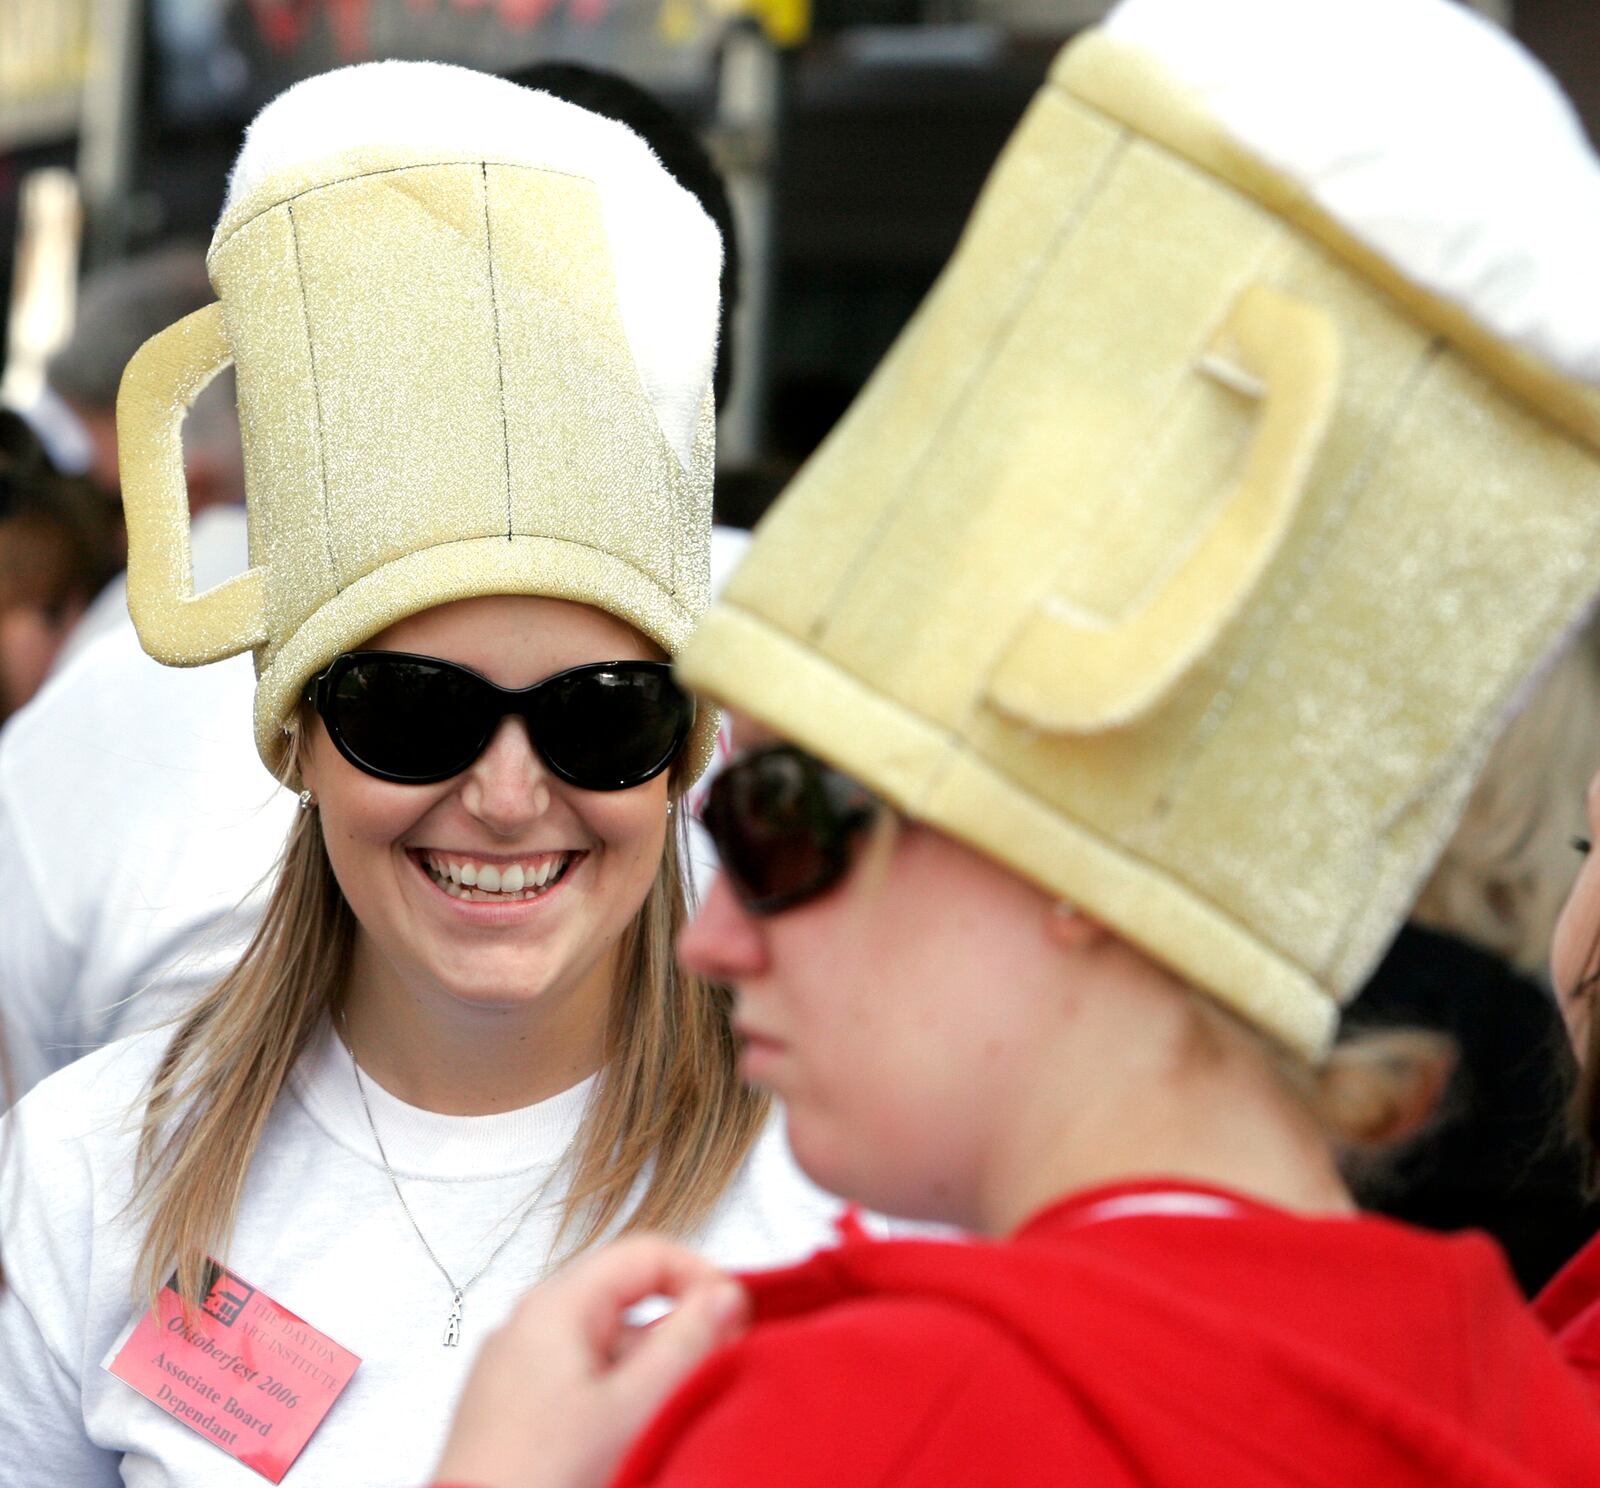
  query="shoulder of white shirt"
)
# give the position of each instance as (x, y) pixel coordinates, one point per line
(95, 1098)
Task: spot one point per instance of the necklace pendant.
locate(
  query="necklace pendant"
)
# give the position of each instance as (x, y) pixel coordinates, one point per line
(452, 1329)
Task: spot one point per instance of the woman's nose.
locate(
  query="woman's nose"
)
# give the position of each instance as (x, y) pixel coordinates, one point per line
(507, 787)
(723, 941)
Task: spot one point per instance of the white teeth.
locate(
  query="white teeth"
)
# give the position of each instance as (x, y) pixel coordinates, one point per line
(487, 882)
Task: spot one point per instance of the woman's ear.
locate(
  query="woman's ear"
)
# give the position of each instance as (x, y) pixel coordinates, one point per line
(299, 770)
(1070, 929)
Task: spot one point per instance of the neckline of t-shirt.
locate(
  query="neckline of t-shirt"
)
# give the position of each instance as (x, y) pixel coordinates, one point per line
(1146, 1198)
(428, 1144)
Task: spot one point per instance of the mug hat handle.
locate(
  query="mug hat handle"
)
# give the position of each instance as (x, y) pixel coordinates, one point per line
(1067, 674)
(159, 386)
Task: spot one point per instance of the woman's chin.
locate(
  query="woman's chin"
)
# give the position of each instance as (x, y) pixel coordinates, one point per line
(497, 996)
(829, 1160)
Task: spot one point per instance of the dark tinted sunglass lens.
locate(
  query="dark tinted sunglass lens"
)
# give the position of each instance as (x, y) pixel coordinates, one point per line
(612, 727)
(771, 827)
(407, 717)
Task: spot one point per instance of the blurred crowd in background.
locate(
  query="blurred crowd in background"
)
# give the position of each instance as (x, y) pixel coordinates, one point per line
(847, 140)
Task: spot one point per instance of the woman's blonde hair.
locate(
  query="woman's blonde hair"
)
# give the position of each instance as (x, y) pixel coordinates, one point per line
(1373, 1091)
(668, 1103)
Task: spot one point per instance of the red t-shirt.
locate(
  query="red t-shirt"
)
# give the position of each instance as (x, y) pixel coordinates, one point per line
(1570, 1308)
(1146, 1334)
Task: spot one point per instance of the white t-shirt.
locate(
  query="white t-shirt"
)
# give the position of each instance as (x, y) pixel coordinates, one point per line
(139, 832)
(320, 1232)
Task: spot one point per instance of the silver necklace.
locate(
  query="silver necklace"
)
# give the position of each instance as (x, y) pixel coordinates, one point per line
(452, 1327)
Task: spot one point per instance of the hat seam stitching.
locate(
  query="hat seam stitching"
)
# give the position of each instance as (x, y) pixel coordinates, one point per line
(499, 353)
(482, 161)
(316, 391)
(684, 468)
(992, 350)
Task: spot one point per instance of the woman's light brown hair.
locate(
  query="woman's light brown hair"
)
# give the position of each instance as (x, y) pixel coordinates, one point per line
(669, 1103)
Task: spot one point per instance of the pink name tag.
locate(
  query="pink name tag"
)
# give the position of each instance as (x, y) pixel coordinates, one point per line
(248, 1375)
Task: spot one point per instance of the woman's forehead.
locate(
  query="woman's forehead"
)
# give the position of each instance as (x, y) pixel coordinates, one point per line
(516, 638)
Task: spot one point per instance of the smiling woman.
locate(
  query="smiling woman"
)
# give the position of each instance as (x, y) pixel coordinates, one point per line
(501, 893)
(458, 1048)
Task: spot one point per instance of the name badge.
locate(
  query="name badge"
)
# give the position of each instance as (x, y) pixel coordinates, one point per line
(248, 1375)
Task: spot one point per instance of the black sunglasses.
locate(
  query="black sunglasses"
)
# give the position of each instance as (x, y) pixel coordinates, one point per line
(417, 719)
(783, 823)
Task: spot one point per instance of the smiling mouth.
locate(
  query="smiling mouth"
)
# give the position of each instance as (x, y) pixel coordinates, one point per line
(496, 883)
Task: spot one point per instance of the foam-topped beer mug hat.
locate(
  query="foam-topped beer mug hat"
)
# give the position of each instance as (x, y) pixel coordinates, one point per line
(1191, 544)
(474, 328)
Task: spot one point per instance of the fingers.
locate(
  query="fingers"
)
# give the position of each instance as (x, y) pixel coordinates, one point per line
(559, 1392)
(711, 1313)
(631, 1269)
(598, 1289)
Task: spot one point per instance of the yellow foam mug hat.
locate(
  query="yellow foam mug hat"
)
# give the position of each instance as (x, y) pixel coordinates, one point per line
(474, 328)
(1193, 541)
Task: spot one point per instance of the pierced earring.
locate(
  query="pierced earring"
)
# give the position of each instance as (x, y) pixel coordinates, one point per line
(307, 800)
(670, 805)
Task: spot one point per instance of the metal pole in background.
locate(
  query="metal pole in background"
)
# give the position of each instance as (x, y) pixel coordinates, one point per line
(744, 139)
(43, 283)
(110, 125)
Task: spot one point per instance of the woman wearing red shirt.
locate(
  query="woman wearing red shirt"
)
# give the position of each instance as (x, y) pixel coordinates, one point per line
(1104, 688)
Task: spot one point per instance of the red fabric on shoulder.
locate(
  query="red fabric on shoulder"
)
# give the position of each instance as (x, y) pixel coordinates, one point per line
(871, 1391)
(1569, 1307)
(1231, 1343)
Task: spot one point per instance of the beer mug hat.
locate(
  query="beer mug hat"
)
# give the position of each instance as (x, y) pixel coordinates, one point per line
(474, 328)
(1194, 540)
